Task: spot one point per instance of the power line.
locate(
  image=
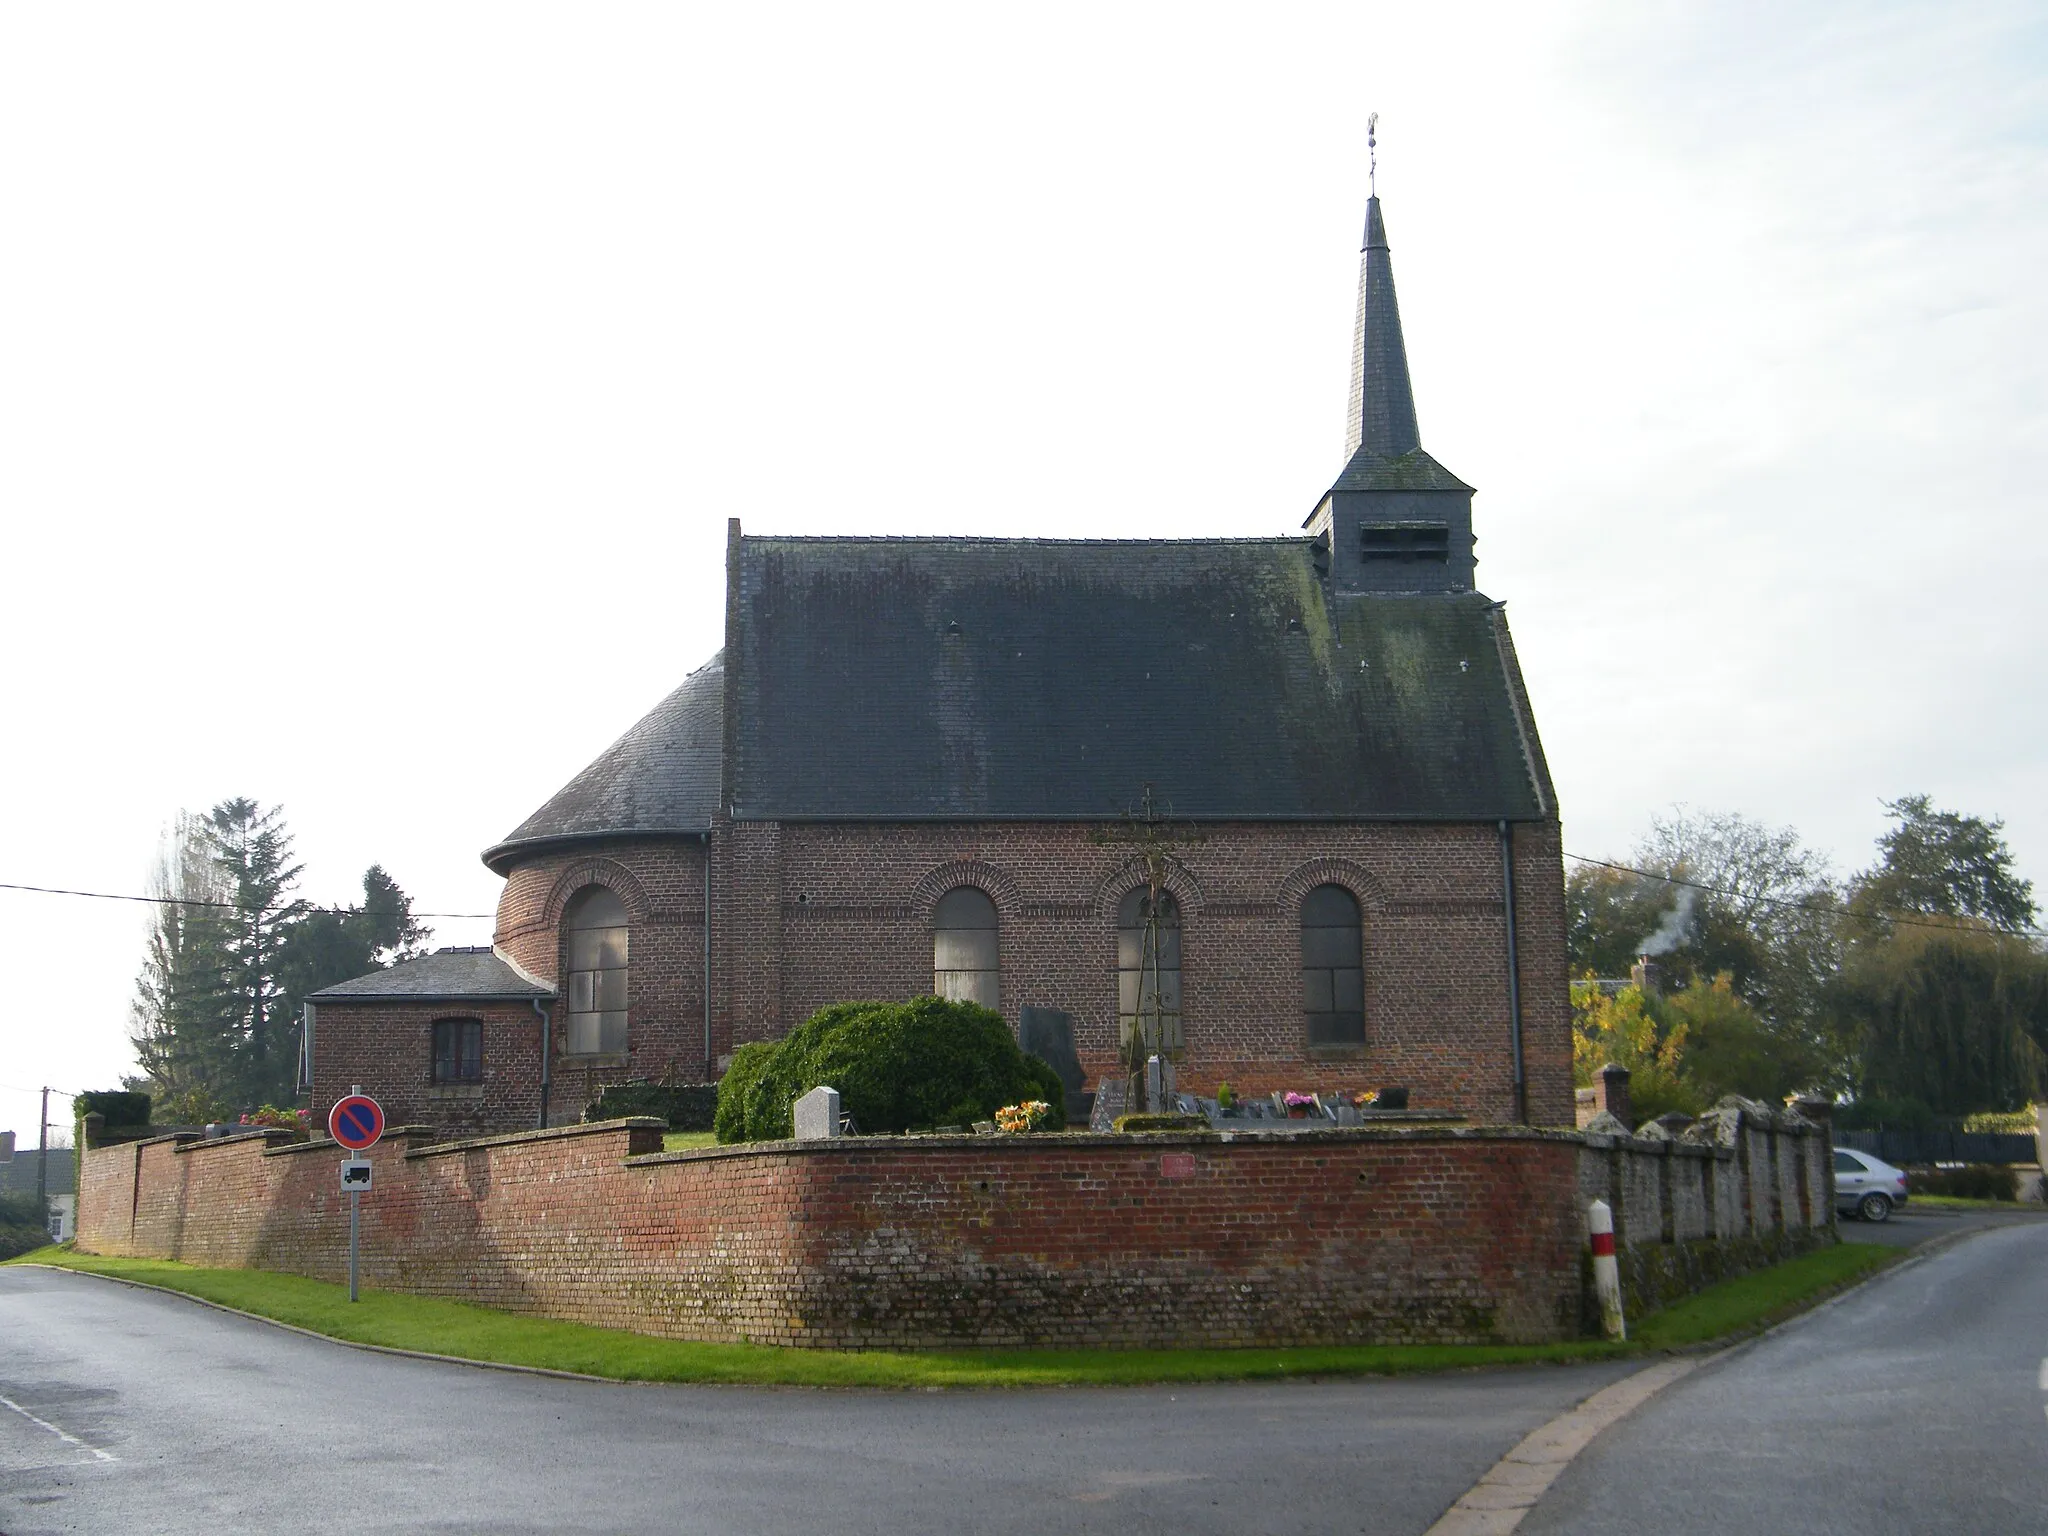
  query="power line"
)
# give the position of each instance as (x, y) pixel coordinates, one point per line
(1818, 910)
(191, 901)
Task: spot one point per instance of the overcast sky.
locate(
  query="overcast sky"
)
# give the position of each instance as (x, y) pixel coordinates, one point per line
(375, 383)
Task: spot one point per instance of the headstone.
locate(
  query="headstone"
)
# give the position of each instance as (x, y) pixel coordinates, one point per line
(1048, 1034)
(1347, 1114)
(1160, 1093)
(817, 1115)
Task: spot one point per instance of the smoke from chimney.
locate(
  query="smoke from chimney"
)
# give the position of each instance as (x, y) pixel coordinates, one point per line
(1674, 929)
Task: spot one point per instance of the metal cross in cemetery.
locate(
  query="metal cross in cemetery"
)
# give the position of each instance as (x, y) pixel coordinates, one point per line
(1150, 832)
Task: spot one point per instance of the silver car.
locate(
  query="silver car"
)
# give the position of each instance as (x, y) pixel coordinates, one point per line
(1866, 1186)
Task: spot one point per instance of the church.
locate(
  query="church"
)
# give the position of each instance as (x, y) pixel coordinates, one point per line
(929, 765)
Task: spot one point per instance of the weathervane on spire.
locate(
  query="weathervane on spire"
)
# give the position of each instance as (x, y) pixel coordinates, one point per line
(1372, 159)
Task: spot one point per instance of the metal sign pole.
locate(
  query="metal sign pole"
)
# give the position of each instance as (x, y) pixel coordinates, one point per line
(355, 1216)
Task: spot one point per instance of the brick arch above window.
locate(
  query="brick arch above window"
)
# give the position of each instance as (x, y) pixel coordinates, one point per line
(997, 883)
(1129, 875)
(610, 874)
(1355, 878)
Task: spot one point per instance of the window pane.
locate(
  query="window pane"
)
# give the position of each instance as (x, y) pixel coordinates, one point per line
(1127, 992)
(1315, 991)
(611, 990)
(585, 950)
(1335, 1029)
(443, 1044)
(582, 991)
(1169, 948)
(612, 1032)
(1129, 945)
(968, 949)
(983, 987)
(611, 948)
(1329, 906)
(583, 1033)
(596, 907)
(1348, 991)
(1329, 946)
(965, 907)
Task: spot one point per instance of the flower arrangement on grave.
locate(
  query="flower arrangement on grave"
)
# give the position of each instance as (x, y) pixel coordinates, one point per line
(1031, 1115)
(1367, 1099)
(1299, 1105)
(270, 1117)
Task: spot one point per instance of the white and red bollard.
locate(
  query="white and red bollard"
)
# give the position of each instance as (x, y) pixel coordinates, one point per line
(1606, 1272)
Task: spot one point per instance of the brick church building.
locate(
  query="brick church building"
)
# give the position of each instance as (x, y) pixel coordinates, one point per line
(912, 768)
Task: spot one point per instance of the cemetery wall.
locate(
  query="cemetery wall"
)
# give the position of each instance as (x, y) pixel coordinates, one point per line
(1338, 1236)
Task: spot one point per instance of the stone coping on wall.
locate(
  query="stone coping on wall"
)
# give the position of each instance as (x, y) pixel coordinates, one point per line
(552, 1133)
(1656, 1146)
(1118, 1141)
(329, 1144)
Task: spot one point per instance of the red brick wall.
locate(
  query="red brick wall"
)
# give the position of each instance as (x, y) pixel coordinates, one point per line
(389, 1049)
(889, 1242)
(808, 914)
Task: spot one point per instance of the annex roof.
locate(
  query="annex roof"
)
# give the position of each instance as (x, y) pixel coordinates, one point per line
(466, 975)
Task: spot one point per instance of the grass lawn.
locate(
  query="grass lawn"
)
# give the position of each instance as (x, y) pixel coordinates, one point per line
(683, 1141)
(479, 1333)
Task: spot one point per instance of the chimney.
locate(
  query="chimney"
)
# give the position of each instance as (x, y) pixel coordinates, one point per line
(1647, 976)
(1611, 1092)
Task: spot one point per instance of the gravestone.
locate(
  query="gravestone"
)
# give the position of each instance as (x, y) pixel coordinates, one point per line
(817, 1115)
(1048, 1034)
(1160, 1092)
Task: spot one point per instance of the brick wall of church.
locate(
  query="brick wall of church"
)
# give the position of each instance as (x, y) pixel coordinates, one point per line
(808, 914)
(388, 1047)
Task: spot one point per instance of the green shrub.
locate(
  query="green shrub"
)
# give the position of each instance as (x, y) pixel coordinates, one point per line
(22, 1228)
(898, 1067)
(745, 1069)
(685, 1106)
(1977, 1181)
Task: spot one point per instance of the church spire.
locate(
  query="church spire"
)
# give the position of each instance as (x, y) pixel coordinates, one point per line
(1382, 414)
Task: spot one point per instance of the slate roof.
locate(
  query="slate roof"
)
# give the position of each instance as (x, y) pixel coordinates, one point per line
(1411, 471)
(662, 776)
(447, 975)
(19, 1176)
(910, 679)
(1382, 411)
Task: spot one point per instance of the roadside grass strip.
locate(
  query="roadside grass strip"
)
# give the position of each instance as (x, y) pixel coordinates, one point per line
(458, 1330)
(1960, 1203)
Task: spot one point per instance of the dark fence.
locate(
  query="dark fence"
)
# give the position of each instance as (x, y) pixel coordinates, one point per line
(1909, 1148)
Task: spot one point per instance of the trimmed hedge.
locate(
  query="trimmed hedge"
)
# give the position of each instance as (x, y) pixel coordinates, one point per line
(120, 1108)
(898, 1067)
(685, 1106)
(1977, 1181)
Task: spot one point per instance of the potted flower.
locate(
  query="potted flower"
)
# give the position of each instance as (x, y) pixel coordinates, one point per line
(1299, 1105)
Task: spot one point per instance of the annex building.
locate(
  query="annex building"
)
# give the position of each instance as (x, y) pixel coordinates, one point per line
(914, 767)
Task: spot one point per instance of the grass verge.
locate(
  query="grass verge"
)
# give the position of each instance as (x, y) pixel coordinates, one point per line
(684, 1141)
(1959, 1203)
(480, 1333)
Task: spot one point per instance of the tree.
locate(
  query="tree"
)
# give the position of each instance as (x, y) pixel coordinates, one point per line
(1952, 1018)
(1730, 1048)
(1943, 864)
(1716, 894)
(254, 851)
(1620, 1027)
(182, 1018)
(232, 954)
(1945, 996)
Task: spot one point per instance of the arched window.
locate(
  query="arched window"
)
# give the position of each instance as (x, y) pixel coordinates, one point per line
(1332, 967)
(1143, 978)
(964, 965)
(595, 926)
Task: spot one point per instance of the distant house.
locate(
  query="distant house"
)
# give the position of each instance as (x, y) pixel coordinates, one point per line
(911, 768)
(19, 1176)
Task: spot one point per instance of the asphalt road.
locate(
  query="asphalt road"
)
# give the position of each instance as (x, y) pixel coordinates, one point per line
(1911, 1405)
(1911, 1225)
(214, 1423)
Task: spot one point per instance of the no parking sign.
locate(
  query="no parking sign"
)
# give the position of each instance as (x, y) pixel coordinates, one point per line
(356, 1122)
